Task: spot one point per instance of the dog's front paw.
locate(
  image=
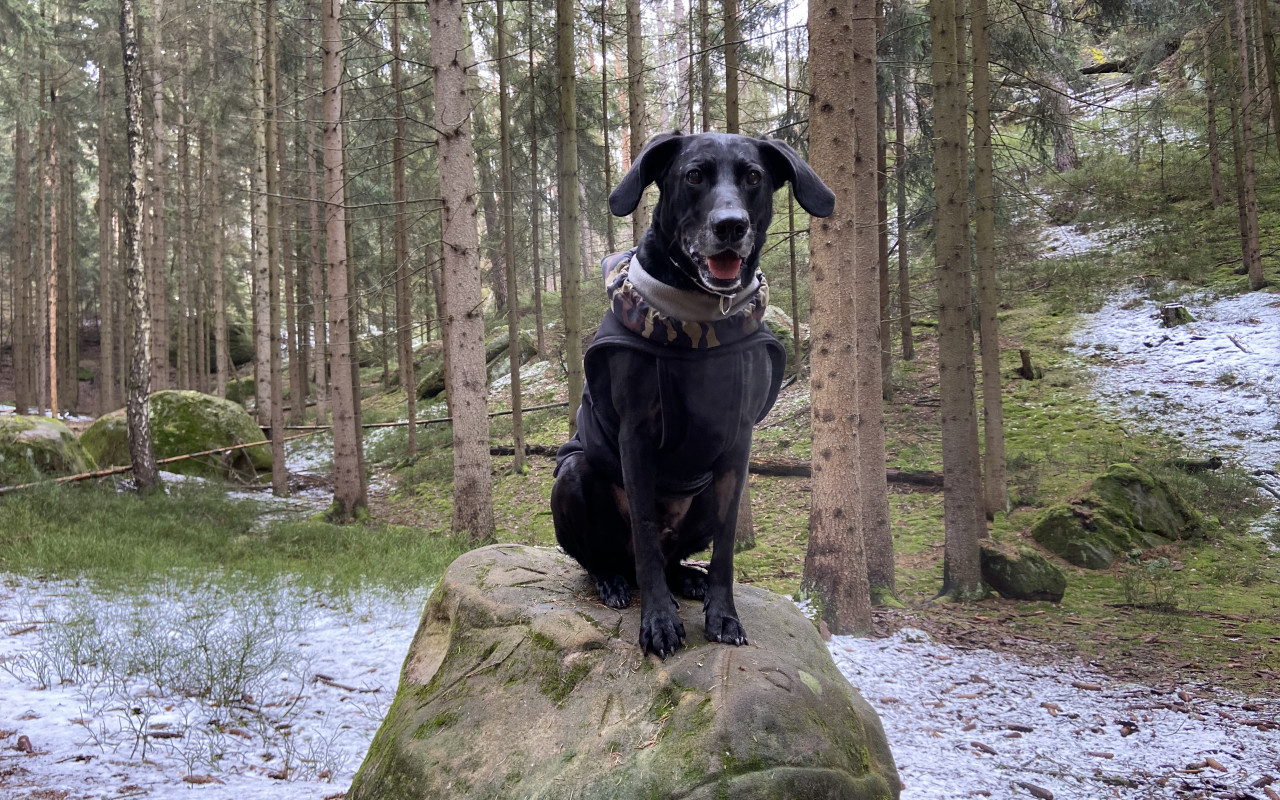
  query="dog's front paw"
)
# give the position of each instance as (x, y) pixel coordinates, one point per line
(661, 632)
(613, 591)
(725, 628)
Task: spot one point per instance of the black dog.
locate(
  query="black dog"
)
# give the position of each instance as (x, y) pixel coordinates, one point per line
(679, 372)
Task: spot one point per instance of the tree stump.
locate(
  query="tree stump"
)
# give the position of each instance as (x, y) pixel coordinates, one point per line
(1174, 314)
(1027, 370)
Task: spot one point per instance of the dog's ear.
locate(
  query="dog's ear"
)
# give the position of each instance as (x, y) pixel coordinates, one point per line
(648, 168)
(787, 165)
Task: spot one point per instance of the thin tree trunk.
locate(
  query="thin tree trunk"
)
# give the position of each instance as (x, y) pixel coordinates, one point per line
(882, 227)
(873, 489)
(106, 311)
(271, 96)
(1269, 61)
(604, 116)
(185, 305)
(319, 332)
(961, 572)
(1215, 170)
(635, 109)
(567, 185)
(509, 246)
(900, 161)
(54, 256)
(996, 494)
(835, 569)
(472, 502)
(535, 222)
(731, 39)
(1250, 246)
(141, 453)
(704, 63)
(288, 270)
(684, 73)
(791, 215)
(349, 493)
(23, 386)
(404, 305)
(158, 281)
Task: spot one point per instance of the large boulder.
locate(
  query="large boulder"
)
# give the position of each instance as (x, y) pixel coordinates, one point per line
(499, 363)
(1022, 574)
(520, 684)
(32, 448)
(1122, 509)
(185, 422)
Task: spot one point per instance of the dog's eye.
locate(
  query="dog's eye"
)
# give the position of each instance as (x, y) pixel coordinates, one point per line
(753, 177)
(693, 176)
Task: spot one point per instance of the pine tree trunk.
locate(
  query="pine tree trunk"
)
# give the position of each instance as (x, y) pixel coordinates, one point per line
(509, 246)
(24, 395)
(260, 221)
(1250, 246)
(567, 191)
(835, 569)
(961, 572)
(54, 256)
(704, 63)
(319, 333)
(1215, 170)
(791, 219)
(635, 109)
(467, 382)
(404, 304)
(900, 161)
(535, 222)
(492, 241)
(882, 226)
(996, 494)
(731, 39)
(158, 280)
(1268, 38)
(141, 453)
(106, 311)
(873, 488)
(185, 305)
(684, 88)
(349, 494)
(279, 469)
(610, 243)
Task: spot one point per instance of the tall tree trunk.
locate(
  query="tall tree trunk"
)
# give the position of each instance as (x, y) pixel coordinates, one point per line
(319, 328)
(141, 453)
(604, 116)
(290, 268)
(472, 502)
(873, 488)
(570, 249)
(271, 97)
(835, 568)
(106, 310)
(791, 215)
(1268, 38)
(221, 344)
(996, 493)
(535, 222)
(24, 393)
(509, 246)
(158, 280)
(1251, 245)
(731, 39)
(704, 63)
(492, 240)
(635, 109)
(185, 305)
(1215, 170)
(349, 493)
(404, 304)
(900, 161)
(882, 225)
(684, 88)
(54, 255)
(961, 572)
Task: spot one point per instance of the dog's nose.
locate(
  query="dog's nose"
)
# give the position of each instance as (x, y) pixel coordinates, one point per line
(729, 225)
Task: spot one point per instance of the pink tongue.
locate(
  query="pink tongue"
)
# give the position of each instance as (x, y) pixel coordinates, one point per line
(725, 266)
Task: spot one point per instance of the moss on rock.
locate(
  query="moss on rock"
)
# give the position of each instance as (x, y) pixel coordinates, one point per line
(32, 448)
(520, 684)
(1022, 574)
(185, 422)
(1119, 510)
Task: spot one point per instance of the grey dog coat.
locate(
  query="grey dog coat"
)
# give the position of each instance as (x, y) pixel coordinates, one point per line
(716, 380)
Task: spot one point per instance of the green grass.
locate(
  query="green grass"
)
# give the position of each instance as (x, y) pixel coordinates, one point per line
(110, 536)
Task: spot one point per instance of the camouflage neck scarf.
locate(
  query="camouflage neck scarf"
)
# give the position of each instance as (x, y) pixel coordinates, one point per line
(639, 316)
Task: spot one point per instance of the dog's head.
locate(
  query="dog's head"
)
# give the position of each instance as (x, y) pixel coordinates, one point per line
(715, 203)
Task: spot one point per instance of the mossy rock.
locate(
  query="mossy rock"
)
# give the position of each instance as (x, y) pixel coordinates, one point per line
(499, 363)
(520, 683)
(34, 448)
(240, 345)
(1022, 574)
(432, 381)
(185, 422)
(241, 389)
(1122, 509)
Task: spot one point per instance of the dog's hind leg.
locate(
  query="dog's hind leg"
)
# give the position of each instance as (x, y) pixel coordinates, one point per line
(592, 530)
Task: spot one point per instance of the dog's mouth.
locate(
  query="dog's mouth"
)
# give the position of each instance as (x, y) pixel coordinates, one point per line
(725, 265)
(720, 273)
